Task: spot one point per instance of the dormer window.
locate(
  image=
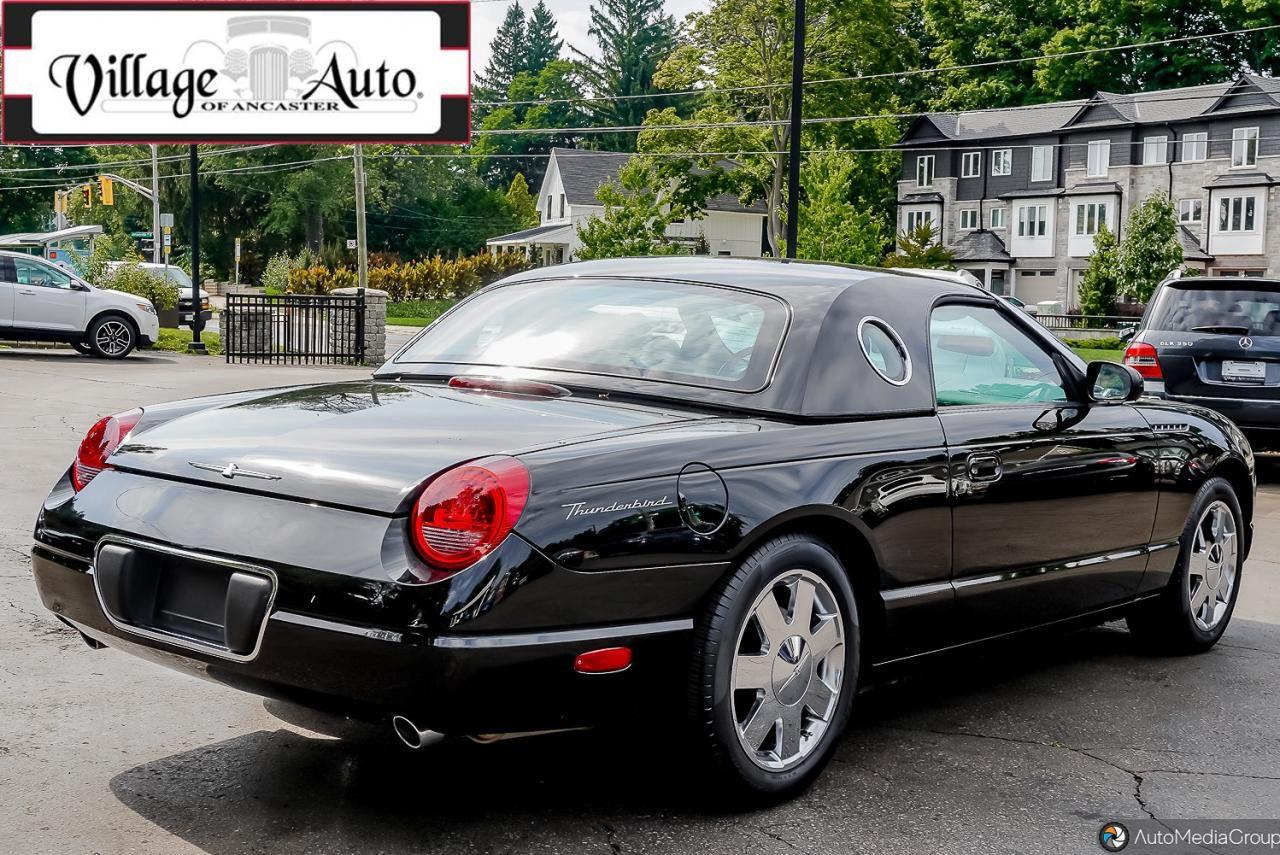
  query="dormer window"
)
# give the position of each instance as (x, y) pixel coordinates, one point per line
(548, 216)
(562, 206)
(924, 170)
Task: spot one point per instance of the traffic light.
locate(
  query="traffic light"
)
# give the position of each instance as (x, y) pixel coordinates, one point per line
(105, 190)
(57, 202)
(88, 195)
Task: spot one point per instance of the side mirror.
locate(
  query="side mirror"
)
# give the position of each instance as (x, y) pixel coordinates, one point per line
(1113, 383)
(1126, 333)
(78, 286)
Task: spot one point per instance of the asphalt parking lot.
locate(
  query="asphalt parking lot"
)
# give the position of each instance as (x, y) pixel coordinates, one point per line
(1023, 748)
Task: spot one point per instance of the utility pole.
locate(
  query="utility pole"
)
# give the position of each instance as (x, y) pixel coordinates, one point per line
(362, 248)
(197, 322)
(797, 122)
(155, 204)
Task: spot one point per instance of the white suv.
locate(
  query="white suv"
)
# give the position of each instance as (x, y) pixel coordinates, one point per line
(42, 302)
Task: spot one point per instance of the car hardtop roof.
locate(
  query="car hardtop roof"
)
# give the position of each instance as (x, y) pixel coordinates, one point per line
(767, 275)
(1221, 283)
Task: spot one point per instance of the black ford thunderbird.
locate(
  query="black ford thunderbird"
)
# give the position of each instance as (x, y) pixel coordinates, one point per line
(740, 486)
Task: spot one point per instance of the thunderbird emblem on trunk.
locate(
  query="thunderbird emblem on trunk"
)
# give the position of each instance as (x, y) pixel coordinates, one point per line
(231, 471)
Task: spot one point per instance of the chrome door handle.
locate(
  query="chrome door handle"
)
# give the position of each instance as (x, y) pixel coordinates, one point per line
(984, 466)
(24, 291)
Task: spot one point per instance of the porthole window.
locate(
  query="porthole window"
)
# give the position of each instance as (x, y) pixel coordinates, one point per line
(885, 351)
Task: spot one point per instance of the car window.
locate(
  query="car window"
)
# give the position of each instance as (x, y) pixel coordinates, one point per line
(35, 273)
(686, 333)
(1246, 311)
(980, 357)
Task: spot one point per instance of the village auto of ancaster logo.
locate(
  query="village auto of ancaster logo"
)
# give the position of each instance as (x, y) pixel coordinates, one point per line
(267, 59)
(118, 71)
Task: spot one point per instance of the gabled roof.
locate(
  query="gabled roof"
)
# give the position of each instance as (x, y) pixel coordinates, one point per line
(1250, 93)
(582, 172)
(1191, 249)
(537, 234)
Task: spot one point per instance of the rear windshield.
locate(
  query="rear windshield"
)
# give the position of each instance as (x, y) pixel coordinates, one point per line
(1251, 310)
(677, 332)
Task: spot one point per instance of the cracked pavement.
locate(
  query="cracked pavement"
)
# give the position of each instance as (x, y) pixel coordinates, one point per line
(1026, 747)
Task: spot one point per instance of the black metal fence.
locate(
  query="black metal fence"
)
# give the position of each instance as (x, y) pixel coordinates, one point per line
(1087, 322)
(293, 329)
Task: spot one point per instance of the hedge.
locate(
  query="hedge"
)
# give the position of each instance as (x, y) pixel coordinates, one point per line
(434, 278)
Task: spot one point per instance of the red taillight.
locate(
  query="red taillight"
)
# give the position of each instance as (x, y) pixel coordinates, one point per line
(102, 439)
(466, 512)
(1145, 359)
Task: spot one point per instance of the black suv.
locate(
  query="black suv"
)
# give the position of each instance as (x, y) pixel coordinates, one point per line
(1215, 341)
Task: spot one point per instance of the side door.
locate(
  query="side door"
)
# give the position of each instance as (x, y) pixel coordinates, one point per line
(1053, 496)
(45, 298)
(6, 291)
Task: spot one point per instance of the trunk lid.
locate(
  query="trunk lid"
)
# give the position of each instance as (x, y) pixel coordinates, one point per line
(364, 444)
(1216, 365)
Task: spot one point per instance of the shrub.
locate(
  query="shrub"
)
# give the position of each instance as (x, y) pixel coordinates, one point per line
(132, 279)
(276, 277)
(435, 278)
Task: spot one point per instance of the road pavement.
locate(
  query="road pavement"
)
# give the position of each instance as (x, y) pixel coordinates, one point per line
(1021, 748)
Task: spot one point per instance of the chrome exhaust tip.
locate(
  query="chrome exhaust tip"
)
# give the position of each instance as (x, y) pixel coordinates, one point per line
(413, 736)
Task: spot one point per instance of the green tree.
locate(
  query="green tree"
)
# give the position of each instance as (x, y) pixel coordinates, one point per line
(634, 37)
(1151, 249)
(507, 56)
(524, 207)
(544, 42)
(1100, 285)
(831, 227)
(918, 248)
(638, 207)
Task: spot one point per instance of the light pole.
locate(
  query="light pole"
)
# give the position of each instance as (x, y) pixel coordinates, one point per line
(797, 121)
(155, 204)
(197, 322)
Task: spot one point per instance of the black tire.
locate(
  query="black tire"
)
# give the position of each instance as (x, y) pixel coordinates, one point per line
(83, 348)
(112, 336)
(1166, 625)
(719, 631)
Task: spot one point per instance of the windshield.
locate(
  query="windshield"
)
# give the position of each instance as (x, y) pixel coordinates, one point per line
(684, 333)
(1253, 310)
(176, 275)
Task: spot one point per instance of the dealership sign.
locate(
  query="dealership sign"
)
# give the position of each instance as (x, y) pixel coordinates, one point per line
(235, 70)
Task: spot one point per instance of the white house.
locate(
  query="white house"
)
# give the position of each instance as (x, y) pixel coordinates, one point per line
(567, 198)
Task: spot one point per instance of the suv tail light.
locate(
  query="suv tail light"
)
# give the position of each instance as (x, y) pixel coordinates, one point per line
(98, 444)
(1145, 359)
(464, 513)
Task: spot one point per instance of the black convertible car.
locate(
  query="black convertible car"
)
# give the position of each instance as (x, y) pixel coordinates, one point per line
(740, 486)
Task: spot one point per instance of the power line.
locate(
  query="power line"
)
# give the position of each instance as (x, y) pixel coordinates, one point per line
(905, 73)
(114, 163)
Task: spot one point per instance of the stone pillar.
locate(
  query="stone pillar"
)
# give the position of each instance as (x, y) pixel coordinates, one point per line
(375, 323)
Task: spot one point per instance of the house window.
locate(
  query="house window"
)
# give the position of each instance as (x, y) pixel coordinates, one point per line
(1190, 211)
(1002, 161)
(1236, 213)
(971, 164)
(1090, 217)
(1244, 147)
(1195, 147)
(548, 206)
(924, 170)
(1041, 163)
(562, 206)
(1155, 150)
(1099, 158)
(999, 218)
(1033, 220)
(969, 218)
(915, 219)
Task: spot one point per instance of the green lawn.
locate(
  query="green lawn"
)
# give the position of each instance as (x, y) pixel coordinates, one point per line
(416, 313)
(1091, 355)
(176, 341)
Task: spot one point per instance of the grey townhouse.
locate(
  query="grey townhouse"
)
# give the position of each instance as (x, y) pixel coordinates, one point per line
(1019, 193)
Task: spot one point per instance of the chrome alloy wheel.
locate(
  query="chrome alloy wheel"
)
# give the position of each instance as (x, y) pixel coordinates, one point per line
(113, 337)
(1211, 566)
(787, 670)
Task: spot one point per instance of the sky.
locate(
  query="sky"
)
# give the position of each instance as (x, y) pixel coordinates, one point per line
(573, 16)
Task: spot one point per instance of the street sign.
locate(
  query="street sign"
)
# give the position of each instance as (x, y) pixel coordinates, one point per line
(140, 235)
(351, 243)
(237, 248)
(189, 71)
(166, 221)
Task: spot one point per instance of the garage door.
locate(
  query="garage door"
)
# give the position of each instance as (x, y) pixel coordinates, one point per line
(1034, 286)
